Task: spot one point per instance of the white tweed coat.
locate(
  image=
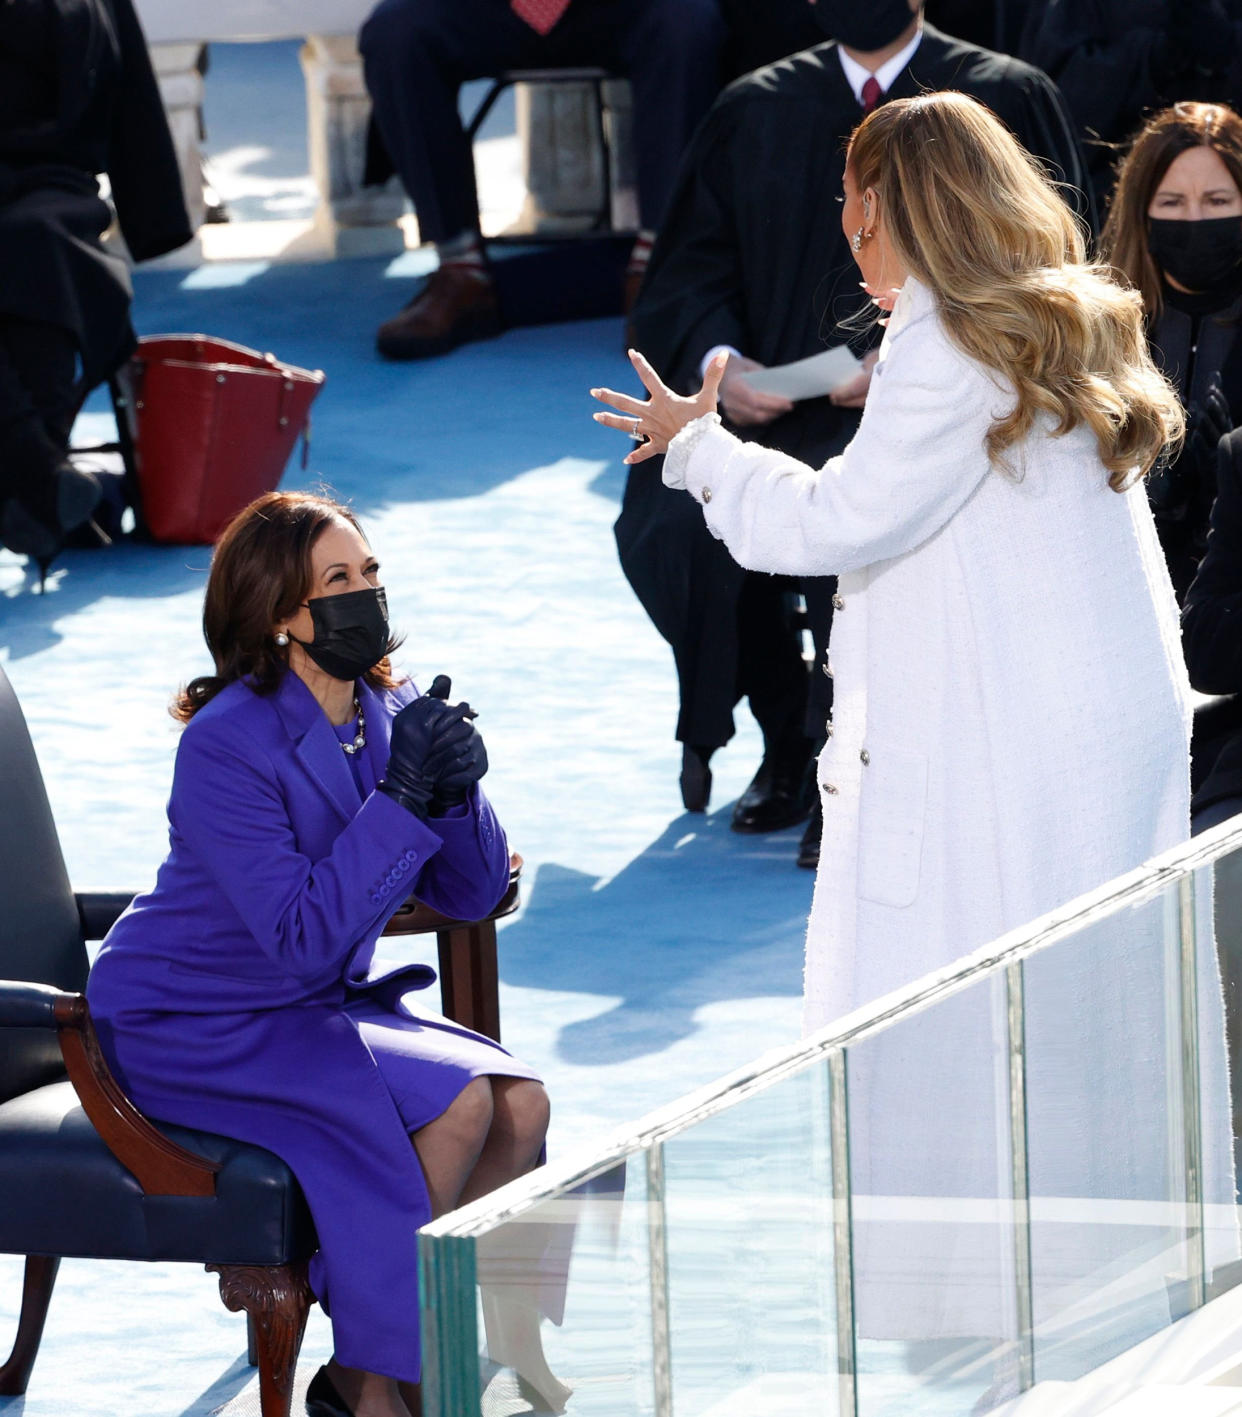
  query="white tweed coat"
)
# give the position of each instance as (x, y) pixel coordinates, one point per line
(1012, 713)
(1010, 729)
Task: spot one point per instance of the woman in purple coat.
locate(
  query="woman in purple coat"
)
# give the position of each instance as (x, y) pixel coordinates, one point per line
(313, 792)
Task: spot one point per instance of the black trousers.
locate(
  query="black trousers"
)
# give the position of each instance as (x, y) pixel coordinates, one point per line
(418, 53)
(771, 673)
(39, 395)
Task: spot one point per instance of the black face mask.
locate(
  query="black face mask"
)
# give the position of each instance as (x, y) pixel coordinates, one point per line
(351, 632)
(865, 25)
(1200, 255)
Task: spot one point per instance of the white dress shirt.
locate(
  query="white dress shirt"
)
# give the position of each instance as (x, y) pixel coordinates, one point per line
(856, 76)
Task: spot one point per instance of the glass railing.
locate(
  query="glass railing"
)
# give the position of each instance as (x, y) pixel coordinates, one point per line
(1003, 1175)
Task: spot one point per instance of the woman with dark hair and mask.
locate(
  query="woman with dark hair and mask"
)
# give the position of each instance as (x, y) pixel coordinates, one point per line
(1175, 232)
(314, 791)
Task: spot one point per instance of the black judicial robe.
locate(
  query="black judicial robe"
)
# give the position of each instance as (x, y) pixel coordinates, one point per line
(88, 103)
(1118, 61)
(751, 254)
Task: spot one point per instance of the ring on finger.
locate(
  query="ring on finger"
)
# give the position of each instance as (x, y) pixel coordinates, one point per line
(636, 433)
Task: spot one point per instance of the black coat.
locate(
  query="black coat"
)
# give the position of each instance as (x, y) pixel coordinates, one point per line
(1117, 61)
(751, 254)
(106, 116)
(1197, 348)
(1212, 637)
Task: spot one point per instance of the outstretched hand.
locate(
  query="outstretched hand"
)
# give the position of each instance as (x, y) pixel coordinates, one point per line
(660, 418)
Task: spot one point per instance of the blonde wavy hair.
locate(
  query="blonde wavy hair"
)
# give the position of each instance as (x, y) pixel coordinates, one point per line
(976, 219)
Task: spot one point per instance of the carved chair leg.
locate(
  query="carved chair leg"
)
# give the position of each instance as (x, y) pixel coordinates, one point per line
(276, 1300)
(36, 1296)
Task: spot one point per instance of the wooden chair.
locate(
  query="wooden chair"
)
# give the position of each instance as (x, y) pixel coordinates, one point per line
(596, 78)
(82, 1171)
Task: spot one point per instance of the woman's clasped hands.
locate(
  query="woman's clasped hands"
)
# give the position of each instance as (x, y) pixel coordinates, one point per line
(655, 422)
(435, 754)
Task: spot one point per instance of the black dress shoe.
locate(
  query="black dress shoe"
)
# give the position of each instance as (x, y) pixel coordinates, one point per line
(808, 847)
(781, 794)
(696, 778)
(43, 497)
(322, 1398)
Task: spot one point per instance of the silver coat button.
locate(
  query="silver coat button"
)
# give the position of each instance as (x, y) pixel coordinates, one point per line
(838, 603)
(865, 756)
(829, 789)
(707, 494)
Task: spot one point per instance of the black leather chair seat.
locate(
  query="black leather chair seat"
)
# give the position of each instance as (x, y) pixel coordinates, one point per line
(66, 1194)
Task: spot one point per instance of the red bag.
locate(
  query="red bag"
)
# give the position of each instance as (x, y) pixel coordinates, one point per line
(214, 424)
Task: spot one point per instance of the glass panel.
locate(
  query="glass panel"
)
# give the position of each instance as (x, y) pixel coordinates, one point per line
(1221, 884)
(750, 1257)
(1115, 1242)
(702, 1277)
(933, 1221)
(563, 1308)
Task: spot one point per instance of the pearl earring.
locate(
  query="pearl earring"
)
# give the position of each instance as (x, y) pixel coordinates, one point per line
(281, 638)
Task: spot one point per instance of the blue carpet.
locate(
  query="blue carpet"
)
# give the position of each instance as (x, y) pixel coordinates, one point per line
(654, 951)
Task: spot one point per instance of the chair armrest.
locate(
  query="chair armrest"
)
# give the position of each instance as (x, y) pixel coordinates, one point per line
(25, 1005)
(100, 910)
(160, 1166)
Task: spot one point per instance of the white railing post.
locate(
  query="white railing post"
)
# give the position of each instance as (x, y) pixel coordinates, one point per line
(843, 1233)
(657, 1257)
(1019, 1159)
(1188, 982)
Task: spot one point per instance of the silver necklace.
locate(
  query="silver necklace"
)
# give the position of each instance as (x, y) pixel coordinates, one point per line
(360, 741)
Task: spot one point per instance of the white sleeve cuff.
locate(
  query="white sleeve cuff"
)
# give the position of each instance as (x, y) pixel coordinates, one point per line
(681, 450)
(712, 353)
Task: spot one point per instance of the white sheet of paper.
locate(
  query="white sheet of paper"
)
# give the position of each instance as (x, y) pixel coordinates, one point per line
(809, 378)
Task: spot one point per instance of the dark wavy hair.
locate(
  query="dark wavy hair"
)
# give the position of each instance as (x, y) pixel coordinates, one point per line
(260, 574)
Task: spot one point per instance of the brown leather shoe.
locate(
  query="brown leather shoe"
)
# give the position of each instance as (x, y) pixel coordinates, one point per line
(455, 306)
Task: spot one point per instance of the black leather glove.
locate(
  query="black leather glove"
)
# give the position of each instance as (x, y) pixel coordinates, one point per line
(423, 728)
(1209, 422)
(1177, 490)
(458, 766)
(1212, 423)
(457, 757)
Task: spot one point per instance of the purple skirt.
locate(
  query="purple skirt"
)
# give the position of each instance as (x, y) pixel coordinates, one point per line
(335, 1091)
(425, 1061)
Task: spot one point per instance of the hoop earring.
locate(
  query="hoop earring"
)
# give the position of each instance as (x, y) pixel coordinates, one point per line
(281, 638)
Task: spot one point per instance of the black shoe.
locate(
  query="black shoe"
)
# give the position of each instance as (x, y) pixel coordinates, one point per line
(42, 496)
(36, 524)
(781, 794)
(808, 847)
(696, 778)
(322, 1398)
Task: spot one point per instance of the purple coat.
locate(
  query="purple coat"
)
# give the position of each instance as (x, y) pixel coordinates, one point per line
(220, 995)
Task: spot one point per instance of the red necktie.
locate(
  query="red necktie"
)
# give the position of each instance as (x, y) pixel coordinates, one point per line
(872, 93)
(540, 15)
